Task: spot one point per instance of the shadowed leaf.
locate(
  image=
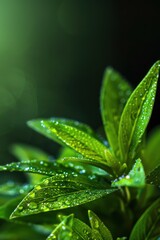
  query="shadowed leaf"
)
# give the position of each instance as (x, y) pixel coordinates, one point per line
(99, 226)
(114, 94)
(147, 227)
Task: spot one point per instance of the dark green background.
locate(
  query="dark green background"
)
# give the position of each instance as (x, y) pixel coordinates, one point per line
(53, 54)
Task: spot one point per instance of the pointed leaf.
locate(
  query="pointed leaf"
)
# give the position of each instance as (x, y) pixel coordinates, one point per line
(147, 227)
(34, 166)
(114, 94)
(136, 114)
(135, 178)
(81, 230)
(98, 225)
(59, 192)
(63, 230)
(37, 125)
(78, 140)
(154, 177)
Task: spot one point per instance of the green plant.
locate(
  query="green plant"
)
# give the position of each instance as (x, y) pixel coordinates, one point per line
(121, 172)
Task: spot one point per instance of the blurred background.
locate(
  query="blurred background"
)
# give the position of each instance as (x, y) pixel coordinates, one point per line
(53, 55)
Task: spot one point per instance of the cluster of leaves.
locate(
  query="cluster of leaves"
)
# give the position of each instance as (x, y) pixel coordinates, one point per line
(121, 172)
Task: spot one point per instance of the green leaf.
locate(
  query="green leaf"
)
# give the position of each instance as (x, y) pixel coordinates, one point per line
(114, 94)
(147, 227)
(135, 178)
(37, 125)
(152, 153)
(63, 230)
(67, 152)
(76, 139)
(85, 161)
(81, 231)
(154, 177)
(25, 152)
(34, 166)
(98, 225)
(136, 114)
(59, 192)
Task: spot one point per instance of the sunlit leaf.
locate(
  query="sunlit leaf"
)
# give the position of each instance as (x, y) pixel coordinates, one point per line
(154, 177)
(136, 114)
(38, 126)
(98, 225)
(63, 230)
(114, 93)
(59, 192)
(86, 162)
(147, 227)
(78, 140)
(135, 178)
(34, 166)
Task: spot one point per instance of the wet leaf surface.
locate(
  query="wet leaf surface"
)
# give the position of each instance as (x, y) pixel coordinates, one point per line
(135, 178)
(76, 139)
(99, 226)
(136, 114)
(59, 192)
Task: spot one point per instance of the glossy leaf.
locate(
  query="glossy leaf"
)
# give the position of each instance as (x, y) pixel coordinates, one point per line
(34, 166)
(154, 177)
(37, 125)
(135, 178)
(114, 94)
(99, 226)
(136, 114)
(59, 192)
(25, 152)
(152, 153)
(81, 231)
(63, 230)
(87, 162)
(76, 139)
(147, 227)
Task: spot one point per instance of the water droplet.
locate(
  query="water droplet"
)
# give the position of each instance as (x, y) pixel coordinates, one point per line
(32, 195)
(96, 224)
(32, 205)
(38, 187)
(20, 208)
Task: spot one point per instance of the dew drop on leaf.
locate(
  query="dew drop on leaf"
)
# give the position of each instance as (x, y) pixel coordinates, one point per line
(32, 205)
